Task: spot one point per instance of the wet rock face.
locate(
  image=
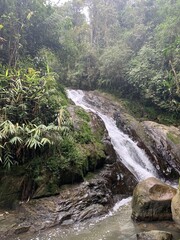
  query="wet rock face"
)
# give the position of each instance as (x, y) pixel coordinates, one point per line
(161, 143)
(152, 201)
(175, 208)
(75, 203)
(91, 198)
(165, 142)
(120, 180)
(154, 235)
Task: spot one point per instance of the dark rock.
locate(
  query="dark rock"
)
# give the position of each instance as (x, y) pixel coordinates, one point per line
(153, 138)
(120, 180)
(109, 151)
(21, 229)
(92, 210)
(152, 200)
(73, 204)
(154, 235)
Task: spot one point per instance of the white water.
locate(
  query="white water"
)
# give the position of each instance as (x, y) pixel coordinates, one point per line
(128, 152)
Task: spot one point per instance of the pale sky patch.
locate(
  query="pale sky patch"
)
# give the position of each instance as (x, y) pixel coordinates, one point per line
(61, 2)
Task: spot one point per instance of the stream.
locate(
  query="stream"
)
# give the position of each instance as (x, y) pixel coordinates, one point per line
(117, 224)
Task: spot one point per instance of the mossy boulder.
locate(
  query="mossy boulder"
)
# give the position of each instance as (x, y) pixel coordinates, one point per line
(15, 186)
(91, 135)
(10, 191)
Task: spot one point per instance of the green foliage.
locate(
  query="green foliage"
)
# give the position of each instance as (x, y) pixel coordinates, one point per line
(72, 158)
(79, 152)
(33, 119)
(47, 61)
(21, 32)
(113, 66)
(84, 135)
(147, 111)
(130, 49)
(20, 142)
(83, 114)
(27, 97)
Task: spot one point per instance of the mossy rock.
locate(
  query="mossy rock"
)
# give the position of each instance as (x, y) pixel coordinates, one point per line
(10, 191)
(174, 138)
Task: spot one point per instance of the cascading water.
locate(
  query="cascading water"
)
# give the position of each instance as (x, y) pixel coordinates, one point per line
(129, 153)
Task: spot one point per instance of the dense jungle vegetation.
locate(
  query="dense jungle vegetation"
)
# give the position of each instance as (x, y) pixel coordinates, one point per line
(128, 48)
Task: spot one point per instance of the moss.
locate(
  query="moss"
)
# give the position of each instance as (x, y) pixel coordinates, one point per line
(10, 190)
(89, 176)
(174, 138)
(144, 111)
(83, 114)
(84, 134)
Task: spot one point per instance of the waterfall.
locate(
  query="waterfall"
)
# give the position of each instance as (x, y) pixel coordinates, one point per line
(134, 158)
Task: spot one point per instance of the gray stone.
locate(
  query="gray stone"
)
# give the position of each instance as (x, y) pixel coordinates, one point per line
(152, 200)
(175, 208)
(154, 235)
(165, 144)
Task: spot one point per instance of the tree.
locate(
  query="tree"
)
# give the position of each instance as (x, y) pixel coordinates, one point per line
(23, 28)
(103, 22)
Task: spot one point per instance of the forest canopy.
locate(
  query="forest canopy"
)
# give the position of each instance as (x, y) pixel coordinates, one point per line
(129, 48)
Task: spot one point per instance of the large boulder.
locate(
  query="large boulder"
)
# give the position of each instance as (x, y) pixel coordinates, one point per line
(152, 200)
(154, 235)
(175, 208)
